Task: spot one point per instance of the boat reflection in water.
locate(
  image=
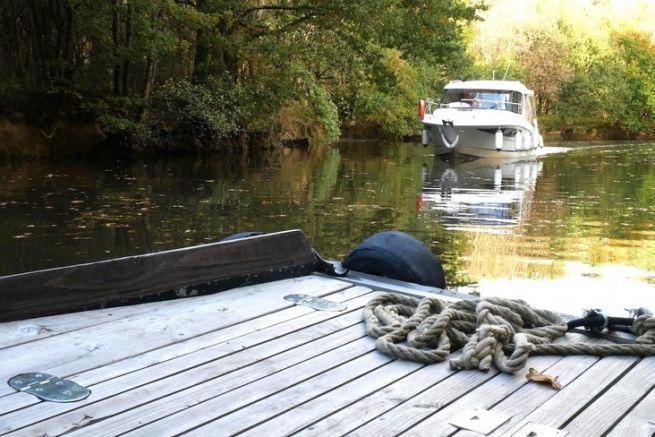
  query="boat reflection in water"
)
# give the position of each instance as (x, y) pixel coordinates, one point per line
(479, 195)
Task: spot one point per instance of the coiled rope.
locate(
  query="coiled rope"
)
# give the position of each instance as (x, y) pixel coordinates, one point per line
(504, 332)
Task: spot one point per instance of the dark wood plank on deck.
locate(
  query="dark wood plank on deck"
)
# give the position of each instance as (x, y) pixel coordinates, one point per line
(53, 291)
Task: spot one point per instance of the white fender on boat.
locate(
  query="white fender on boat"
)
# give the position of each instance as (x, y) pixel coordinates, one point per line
(535, 140)
(425, 137)
(518, 140)
(541, 141)
(527, 140)
(499, 139)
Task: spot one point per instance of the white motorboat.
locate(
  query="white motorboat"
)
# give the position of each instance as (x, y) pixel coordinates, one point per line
(485, 118)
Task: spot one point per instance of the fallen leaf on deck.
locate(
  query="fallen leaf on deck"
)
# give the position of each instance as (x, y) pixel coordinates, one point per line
(534, 375)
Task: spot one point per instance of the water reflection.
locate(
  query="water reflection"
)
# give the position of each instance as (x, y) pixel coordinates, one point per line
(532, 219)
(479, 195)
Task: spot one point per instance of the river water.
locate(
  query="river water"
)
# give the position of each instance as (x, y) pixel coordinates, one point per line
(579, 218)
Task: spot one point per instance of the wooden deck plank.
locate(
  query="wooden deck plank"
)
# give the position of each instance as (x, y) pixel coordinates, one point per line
(483, 397)
(243, 418)
(344, 421)
(505, 386)
(73, 288)
(232, 353)
(640, 421)
(147, 404)
(25, 331)
(609, 408)
(95, 346)
(559, 408)
(306, 413)
(340, 364)
(194, 351)
(416, 409)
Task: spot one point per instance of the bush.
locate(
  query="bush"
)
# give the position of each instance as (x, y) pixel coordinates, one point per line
(201, 111)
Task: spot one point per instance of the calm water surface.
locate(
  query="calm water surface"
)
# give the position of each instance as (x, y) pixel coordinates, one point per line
(591, 205)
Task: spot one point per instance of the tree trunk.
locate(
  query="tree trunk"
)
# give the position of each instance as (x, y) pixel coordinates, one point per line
(151, 70)
(201, 53)
(115, 31)
(129, 28)
(199, 71)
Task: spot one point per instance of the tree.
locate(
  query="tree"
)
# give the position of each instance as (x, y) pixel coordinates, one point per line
(231, 67)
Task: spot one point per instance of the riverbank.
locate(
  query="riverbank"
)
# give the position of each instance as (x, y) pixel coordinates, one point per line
(61, 139)
(22, 140)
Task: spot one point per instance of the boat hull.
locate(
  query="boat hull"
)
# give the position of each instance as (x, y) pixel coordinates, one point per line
(481, 141)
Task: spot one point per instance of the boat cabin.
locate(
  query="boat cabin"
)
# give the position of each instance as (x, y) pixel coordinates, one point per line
(489, 94)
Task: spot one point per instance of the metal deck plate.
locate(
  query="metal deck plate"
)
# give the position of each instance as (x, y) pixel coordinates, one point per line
(49, 387)
(536, 430)
(318, 303)
(481, 421)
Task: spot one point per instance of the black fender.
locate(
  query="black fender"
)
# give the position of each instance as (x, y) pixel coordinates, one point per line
(397, 255)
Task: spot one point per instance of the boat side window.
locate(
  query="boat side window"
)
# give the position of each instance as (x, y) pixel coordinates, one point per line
(491, 100)
(498, 99)
(483, 99)
(457, 98)
(516, 99)
(529, 108)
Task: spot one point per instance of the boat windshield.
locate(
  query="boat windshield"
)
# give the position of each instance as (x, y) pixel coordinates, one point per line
(482, 99)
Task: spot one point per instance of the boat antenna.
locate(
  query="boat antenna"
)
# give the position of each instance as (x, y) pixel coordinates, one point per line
(507, 69)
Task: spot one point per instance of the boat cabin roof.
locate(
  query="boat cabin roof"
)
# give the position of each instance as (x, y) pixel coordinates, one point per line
(501, 85)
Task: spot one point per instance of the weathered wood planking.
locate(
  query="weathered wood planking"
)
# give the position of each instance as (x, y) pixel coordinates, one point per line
(159, 372)
(639, 421)
(200, 403)
(25, 331)
(113, 282)
(329, 373)
(423, 405)
(483, 397)
(516, 404)
(120, 414)
(561, 406)
(98, 345)
(345, 420)
(246, 361)
(303, 414)
(608, 409)
(233, 348)
(497, 391)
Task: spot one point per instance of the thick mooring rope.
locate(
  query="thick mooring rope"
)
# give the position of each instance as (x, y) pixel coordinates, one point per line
(491, 330)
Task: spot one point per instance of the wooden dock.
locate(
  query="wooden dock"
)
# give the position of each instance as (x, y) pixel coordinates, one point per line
(246, 361)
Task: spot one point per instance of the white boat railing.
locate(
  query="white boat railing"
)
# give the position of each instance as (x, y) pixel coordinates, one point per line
(470, 104)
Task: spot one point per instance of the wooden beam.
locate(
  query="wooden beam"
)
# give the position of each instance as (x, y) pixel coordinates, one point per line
(155, 276)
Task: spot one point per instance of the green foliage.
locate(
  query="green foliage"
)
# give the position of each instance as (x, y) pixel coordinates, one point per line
(583, 75)
(207, 112)
(216, 69)
(637, 55)
(616, 90)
